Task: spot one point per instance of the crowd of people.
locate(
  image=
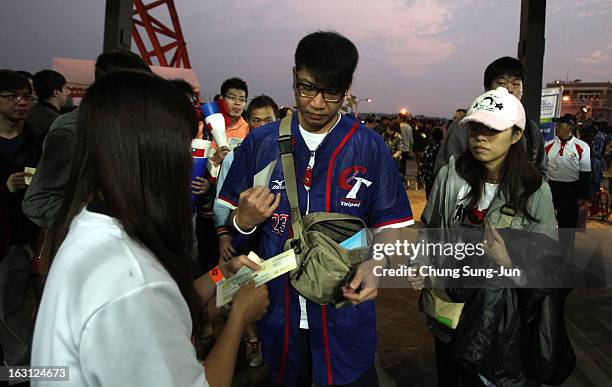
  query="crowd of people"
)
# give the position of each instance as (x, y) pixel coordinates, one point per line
(107, 264)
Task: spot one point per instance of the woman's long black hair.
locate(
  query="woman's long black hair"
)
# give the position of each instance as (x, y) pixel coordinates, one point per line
(132, 150)
(519, 178)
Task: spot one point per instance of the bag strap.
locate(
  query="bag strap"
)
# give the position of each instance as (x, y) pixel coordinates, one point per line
(286, 153)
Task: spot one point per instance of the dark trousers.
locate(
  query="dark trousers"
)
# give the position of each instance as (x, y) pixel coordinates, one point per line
(208, 243)
(368, 379)
(450, 372)
(17, 300)
(405, 156)
(428, 187)
(565, 199)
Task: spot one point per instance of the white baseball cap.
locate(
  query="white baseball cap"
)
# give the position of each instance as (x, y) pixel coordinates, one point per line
(497, 109)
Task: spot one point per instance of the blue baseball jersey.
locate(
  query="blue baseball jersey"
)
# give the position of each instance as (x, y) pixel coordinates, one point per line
(354, 174)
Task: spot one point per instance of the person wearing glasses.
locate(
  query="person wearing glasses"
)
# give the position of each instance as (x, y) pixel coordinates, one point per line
(341, 166)
(19, 148)
(235, 93)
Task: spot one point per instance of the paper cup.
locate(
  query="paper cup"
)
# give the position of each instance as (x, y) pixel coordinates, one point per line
(28, 179)
(200, 148)
(199, 152)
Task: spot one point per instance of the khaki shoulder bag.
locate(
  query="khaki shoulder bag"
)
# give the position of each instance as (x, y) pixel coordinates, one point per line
(323, 266)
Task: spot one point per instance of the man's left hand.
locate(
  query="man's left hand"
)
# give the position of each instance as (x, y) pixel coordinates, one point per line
(365, 280)
(199, 186)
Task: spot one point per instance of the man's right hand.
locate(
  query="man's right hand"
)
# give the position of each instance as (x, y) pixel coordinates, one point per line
(255, 206)
(16, 181)
(226, 249)
(220, 155)
(250, 303)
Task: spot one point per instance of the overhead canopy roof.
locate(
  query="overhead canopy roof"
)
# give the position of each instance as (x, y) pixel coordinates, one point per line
(80, 72)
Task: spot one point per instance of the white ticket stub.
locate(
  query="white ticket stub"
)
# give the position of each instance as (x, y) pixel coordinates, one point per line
(270, 269)
(28, 179)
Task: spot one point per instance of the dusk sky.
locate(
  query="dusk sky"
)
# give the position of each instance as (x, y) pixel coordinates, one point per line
(427, 56)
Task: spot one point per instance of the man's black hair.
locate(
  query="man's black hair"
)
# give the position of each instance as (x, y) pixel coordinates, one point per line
(46, 82)
(329, 57)
(25, 74)
(119, 60)
(262, 101)
(235, 83)
(461, 110)
(507, 66)
(12, 81)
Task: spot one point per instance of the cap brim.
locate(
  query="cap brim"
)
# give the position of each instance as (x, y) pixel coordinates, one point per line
(491, 120)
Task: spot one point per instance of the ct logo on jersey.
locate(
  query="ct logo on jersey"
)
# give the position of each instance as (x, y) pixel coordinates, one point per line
(351, 179)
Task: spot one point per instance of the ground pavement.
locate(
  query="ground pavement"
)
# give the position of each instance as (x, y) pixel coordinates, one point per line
(405, 347)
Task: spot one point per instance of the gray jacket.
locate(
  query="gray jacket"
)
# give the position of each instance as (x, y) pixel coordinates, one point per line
(406, 132)
(44, 197)
(41, 117)
(455, 142)
(442, 202)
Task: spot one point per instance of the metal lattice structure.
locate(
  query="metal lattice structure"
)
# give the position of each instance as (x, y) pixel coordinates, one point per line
(167, 43)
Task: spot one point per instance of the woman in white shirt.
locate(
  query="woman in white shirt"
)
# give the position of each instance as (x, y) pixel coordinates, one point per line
(120, 303)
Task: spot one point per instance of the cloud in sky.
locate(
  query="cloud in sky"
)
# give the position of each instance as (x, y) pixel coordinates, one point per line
(409, 32)
(596, 57)
(428, 55)
(598, 61)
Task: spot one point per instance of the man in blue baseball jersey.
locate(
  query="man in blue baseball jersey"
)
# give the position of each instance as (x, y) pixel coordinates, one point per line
(343, 167)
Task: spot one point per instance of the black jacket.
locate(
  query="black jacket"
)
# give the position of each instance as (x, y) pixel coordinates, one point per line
(510, 335)
(15, 228)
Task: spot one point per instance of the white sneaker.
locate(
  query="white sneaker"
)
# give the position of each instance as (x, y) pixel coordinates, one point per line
(253, 353)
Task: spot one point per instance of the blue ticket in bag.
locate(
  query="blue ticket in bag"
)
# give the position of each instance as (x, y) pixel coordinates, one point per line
(357, 241)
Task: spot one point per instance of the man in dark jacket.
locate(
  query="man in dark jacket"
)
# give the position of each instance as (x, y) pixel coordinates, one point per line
(509, 73)
(18, 149)
(44, 198)
(52, 94)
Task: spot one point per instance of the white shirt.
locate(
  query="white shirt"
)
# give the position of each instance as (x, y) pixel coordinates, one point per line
(112, 313)
(567, 160)
(467, 216)
(312, 140)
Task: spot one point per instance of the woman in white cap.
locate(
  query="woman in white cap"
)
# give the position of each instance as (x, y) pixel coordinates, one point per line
(491, 185)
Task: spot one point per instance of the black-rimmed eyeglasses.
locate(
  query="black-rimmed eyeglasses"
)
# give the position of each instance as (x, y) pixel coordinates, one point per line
(310, 91)
(16, 98)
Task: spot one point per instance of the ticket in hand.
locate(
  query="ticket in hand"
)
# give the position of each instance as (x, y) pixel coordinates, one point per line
(28, 179)
(270, 269)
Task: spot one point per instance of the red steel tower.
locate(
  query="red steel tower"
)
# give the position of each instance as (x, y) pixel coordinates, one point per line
(167, 43)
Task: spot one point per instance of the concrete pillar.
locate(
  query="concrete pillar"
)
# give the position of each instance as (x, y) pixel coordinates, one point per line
(531, 53)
